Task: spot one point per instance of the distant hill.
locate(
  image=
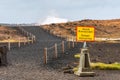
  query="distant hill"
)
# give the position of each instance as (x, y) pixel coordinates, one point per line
(8, 32)
(103, 28)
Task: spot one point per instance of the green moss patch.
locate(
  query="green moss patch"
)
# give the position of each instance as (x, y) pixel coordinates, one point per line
(103, 66)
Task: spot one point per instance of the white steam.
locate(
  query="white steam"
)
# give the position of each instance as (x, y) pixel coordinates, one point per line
(52, 19)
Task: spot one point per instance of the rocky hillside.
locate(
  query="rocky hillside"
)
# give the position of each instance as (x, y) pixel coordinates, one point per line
(103, 28)
(8, 32)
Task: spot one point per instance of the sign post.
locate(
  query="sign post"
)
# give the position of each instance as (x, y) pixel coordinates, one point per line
(84, 34)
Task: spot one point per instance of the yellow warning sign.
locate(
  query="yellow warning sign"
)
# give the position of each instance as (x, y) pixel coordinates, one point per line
(85, 33)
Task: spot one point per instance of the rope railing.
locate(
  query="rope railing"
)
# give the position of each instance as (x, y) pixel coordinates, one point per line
(28, 39)
(57, 50)
(16, 43)
(26, 33)
(30, 36)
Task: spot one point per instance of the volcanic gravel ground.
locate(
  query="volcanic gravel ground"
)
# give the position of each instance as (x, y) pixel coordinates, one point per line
(26, 63)
(105, 52)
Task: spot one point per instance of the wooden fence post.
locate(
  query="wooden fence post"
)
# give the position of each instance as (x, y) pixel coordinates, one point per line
(67, 38)
(76, 42)
(30, 34)
(32, 39)
(45, 55)
(19, 43)
(63, 49)
(9, 45)
(24, 32)
(28, 40)
(55, 54)
(73, 45)
(24, 40)
(27, 33)
(69, 44)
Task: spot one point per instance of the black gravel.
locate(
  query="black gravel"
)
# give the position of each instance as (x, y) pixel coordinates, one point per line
(26, 63)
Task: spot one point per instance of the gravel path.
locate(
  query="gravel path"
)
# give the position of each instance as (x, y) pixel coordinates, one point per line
(26, 63)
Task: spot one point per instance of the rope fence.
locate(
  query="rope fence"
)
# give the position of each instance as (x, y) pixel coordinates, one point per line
(26, 33)
(28, 39)
(19, 43)
(57, 50)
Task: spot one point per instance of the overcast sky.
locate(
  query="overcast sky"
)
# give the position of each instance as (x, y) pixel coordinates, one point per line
(31, 11)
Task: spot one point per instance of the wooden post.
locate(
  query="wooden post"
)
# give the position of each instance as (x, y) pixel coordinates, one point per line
(23, 32)
(73, 45)
(55, 54)
(27, 33)
(19, 43)
(76, 42)
(30, 34)
(9, 44)
(69, 44)
(63, 49)
(24, 40)
(28, 40)
(34, 38)
(45, 55)
(65, 37)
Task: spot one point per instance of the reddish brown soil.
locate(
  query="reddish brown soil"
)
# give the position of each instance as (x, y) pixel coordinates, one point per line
(103, 28)
(9, 32)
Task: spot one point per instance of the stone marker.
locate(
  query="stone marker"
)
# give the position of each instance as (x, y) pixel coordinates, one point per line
(84, 64)
(3, 55)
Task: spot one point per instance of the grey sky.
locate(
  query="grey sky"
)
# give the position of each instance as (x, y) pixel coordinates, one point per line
(30, 11)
